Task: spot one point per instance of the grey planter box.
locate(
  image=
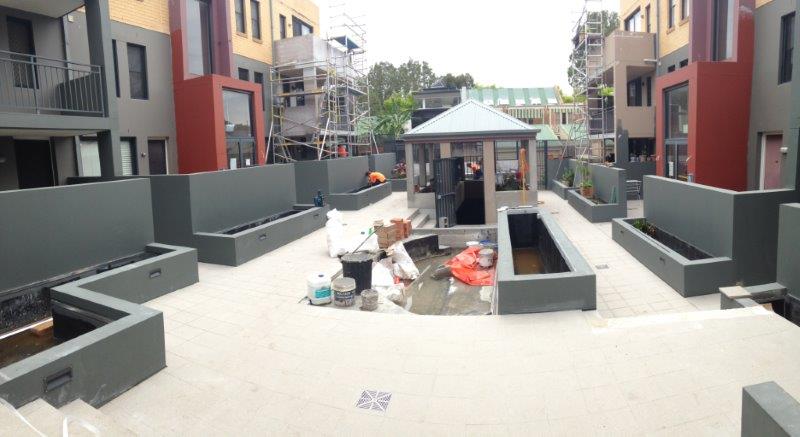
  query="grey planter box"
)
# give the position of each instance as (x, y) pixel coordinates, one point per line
(768, 410)
(687, 277)
(361, 199)
(237, 249)
(399, 185)
(572, 288)
(595, 212)
(561, 189)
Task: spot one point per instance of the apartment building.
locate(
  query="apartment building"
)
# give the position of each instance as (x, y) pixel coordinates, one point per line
(722, 88)
(125, 87)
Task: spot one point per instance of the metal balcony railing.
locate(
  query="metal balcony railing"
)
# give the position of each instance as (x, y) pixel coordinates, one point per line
(34, 84)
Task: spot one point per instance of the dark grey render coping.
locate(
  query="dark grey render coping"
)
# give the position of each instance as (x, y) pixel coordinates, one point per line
(742, 297)
(516, 294)
(742, 226)
(103, 363)
(560, 188)
(767, 411)
(361, 199)
(687, 277)
(605, 180)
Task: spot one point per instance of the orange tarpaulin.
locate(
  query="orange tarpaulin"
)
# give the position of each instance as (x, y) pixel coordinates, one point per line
(465, 268)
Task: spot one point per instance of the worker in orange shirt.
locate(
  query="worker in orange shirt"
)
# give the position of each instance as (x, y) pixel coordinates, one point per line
(342, 152)
(375, 177)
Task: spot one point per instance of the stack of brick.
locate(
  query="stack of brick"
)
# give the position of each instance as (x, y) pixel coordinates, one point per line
(387, 235)
(403, 228)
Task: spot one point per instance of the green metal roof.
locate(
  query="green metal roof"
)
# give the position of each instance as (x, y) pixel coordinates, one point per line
(514, 96)
(545, 132)
(471, 118)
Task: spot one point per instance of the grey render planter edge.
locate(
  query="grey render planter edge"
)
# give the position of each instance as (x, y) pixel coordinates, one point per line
(768, 410)
(595, 213)
(687, 277)
(516, 294)
(561, 189)
(359, 200)
(399, 185)
(237, 249)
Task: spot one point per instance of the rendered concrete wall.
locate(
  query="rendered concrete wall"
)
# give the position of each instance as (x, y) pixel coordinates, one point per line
(52, 231)
(560, 189)
(329, 176)
(789, 248)
(515, 294)
(382, 162)
(362, 199)
(723, 223)
(768, 411)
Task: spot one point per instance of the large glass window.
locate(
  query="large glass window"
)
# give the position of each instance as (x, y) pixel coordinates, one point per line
(198, 36)
(671, 13)
(723, 29)
(137, 71)
(300, 28)
(255, 18)
(635, 92)
(787, 48)
(238, 11)
(634, 21)
(238, 114)
(677, 101)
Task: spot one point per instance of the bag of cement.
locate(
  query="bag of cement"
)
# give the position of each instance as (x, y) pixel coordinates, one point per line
(382, 274)
(404, 266)
(337, 244)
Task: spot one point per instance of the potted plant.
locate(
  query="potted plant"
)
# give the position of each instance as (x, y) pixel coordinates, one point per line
(587, 189)
(568, 178)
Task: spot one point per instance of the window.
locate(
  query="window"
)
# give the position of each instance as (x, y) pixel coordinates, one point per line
(677, 104)
(244, 74)
(89, 153)
(20, 41)
(634, 21)
(670, 69)
(300, 28)
(507, 166)
(116, 65)
(255, 18)
(647, 18)
(787, 48)
(259, 79)
(294, 94)
(671, 14)
(723, 29)
(283, 26)
(683, 63)
(199, 36)
(127, 146)
(563, 118)
(649, 86)
(635, 92)
(238, 114)
(137, 71)
(240, 17)
(684, 9)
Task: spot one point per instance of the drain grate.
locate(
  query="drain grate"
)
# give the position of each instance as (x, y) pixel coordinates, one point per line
(601, 266)
(374, 400)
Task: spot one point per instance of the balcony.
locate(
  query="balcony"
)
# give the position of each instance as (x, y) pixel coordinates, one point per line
(31, 84)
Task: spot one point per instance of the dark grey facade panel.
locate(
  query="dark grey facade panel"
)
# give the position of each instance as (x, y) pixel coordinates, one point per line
(671, 59)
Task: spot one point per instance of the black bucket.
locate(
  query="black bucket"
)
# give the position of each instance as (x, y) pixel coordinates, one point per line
(359, 267)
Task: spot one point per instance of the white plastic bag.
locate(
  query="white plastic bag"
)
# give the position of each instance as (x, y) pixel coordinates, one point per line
(337, 244)
(404, 266)
(382, 274)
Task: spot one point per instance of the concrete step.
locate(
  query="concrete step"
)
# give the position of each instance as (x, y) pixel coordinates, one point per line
(12, 425)
(105, 424)
(44, 417)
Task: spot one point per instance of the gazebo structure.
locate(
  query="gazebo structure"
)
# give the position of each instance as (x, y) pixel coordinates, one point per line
(487, 139)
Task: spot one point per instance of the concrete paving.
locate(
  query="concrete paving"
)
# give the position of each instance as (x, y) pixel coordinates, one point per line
(245, 358)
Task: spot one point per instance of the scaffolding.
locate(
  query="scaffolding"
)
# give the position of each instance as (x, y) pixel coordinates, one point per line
(587, 64)
(332, 81)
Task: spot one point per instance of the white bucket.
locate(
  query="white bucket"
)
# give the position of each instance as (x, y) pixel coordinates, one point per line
(319, 288)
(486, 258)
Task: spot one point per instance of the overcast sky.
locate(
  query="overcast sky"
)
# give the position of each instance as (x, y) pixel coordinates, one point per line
(509, 43)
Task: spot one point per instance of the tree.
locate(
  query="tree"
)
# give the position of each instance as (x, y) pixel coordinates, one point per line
(462, 80)
(610, 22)
(395, 113)
(385, 80)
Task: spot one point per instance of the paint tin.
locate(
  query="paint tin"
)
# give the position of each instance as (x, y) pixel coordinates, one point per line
(344, 292)
(319, 289)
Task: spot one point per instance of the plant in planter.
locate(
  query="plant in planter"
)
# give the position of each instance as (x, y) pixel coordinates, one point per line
(568, 178)
(587, 188)
(644, 227)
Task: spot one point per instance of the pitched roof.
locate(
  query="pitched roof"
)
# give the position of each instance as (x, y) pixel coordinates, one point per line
(546, 133)
(471, 119)
(515, 96)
